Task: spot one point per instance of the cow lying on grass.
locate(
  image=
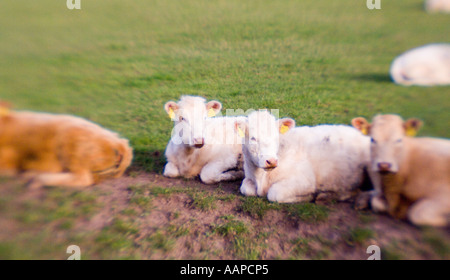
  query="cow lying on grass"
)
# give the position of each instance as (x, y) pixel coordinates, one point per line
(59, 150)
(304, 163)
(200, 144)
(424, 66)
(415, 172)
(436, 6)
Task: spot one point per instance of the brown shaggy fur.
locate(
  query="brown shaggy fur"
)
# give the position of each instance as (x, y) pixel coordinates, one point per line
(59, 150)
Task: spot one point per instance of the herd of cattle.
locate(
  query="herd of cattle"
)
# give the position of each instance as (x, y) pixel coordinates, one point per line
(274, 158)
(409, 176)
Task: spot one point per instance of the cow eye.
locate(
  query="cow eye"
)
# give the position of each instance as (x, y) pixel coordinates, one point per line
(253, 139)
(373, 141)
(182, 119)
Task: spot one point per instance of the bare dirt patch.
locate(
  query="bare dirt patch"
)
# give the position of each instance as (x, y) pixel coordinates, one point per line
(147, 216)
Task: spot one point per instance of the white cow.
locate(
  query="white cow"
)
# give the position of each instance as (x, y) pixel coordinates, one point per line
(202, 145)
(435, 6)
(304, 163)
(427, 65)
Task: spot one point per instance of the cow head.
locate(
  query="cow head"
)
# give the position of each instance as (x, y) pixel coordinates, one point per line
(189, 116)
(387, 133)
(261, 133)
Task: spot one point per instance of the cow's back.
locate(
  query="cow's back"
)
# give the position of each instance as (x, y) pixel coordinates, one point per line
(426, 168)
(337, 154)
(426, 65)
(56, 143)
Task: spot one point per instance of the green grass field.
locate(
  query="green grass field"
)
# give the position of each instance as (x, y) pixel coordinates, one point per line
(117, 63)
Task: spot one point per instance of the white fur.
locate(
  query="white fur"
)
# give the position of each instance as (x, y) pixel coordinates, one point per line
(437, 6)
(220, 159)
(428, 65)
(311, 161)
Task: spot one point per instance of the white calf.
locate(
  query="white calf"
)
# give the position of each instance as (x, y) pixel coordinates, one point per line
(425, 66)
(202, 145)
(304, 163)
(434, 6)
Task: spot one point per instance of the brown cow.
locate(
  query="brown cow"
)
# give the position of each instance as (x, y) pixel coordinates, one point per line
(415, 172)
(59, 150)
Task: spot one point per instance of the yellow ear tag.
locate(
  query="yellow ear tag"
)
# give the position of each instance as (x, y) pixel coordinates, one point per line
(4, 111)
(241, 133)
(411, 132)
(171, 114)
(364, 131)
(284, 129)
(211, 113)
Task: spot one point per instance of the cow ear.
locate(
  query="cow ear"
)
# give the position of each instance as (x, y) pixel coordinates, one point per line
(241, 128)
(213, 108)
(285, 125)
(362, 125)
(4, 109)
(412, 126)
(171, 107)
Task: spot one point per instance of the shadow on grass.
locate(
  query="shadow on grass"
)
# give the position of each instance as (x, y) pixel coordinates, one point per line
(374, 77)
(148, 161)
